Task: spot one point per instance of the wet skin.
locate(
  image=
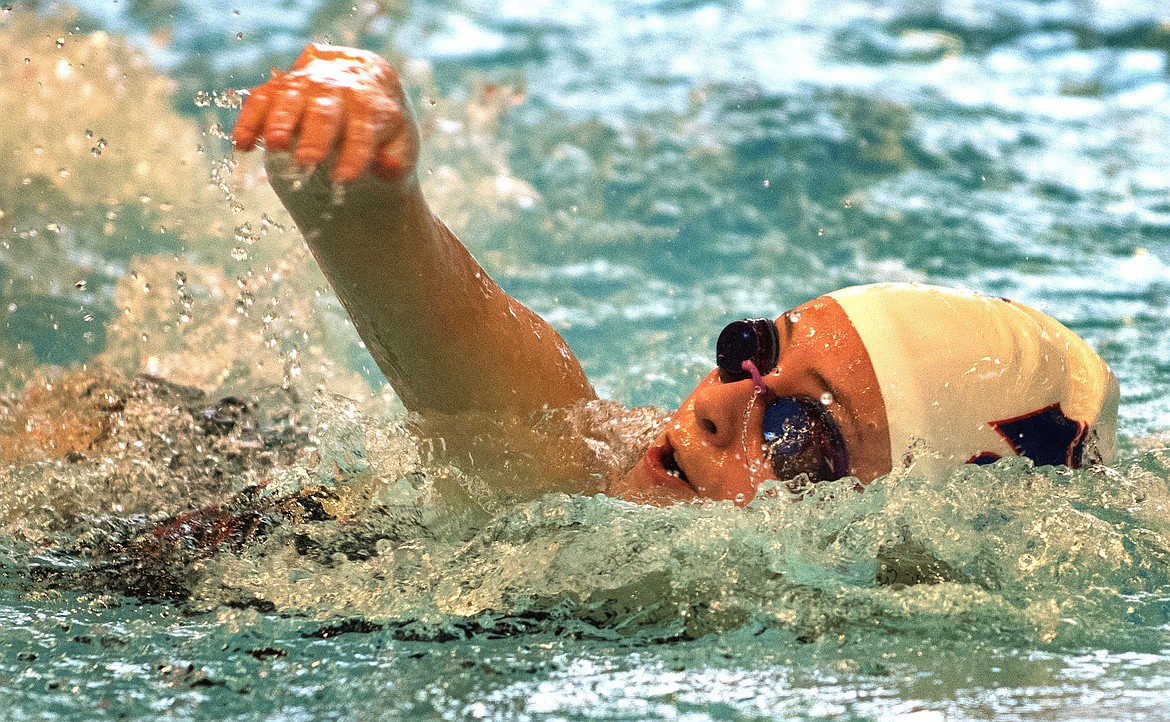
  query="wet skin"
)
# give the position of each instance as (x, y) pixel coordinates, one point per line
(445, 335)
(714, 443)
(450, 340)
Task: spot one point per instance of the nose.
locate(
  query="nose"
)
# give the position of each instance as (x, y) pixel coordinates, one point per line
(719, 411)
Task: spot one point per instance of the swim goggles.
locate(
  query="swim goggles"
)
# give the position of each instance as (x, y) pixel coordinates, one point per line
(800, 436)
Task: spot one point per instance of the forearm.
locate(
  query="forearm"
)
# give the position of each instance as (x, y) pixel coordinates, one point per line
(444, 334)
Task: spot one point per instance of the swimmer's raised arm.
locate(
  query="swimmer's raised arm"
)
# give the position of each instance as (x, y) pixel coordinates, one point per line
(446, 336)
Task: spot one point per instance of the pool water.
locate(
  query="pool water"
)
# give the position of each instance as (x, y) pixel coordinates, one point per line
(639, 173)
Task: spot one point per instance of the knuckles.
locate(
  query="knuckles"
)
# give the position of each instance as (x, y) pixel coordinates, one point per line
(329, 85)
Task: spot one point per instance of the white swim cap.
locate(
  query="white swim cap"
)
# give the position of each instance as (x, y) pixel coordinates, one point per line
(966, 378)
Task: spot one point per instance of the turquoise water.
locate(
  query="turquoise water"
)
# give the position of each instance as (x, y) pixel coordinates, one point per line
(638, 173)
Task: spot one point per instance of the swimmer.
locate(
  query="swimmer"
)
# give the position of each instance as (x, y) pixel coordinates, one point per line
(856, 383)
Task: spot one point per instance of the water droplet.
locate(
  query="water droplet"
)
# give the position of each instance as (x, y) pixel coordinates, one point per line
(767, 183)
(230, 98)
(244, 234)
(739, 498)
(239, 36)
(826, 398)
(794, 316)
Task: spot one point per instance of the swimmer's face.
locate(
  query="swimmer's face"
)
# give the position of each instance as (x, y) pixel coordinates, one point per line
(819, 412)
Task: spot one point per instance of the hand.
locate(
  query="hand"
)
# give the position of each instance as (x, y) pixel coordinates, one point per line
(334, 100)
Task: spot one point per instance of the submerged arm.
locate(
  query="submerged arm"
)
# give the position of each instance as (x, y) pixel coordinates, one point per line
(446, 336)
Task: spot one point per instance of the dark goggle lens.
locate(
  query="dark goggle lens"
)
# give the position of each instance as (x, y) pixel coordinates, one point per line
(752, 339)
(802, 438)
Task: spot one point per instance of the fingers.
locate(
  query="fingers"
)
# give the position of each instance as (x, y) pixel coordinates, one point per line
(334, 101)
(320, 128)
(248, 125)
(365, 132)
(284, 119)
(396, 158)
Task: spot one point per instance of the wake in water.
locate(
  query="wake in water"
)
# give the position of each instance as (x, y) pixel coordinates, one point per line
(302, 502)
(158, 491)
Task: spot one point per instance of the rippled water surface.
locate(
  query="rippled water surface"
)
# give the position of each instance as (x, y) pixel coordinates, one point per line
(254, 529)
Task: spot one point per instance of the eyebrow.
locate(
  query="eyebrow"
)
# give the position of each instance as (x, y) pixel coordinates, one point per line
(823, 382)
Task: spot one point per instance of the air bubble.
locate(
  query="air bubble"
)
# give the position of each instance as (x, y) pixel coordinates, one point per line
(826, 398)
(202, 99)
(80, 285)
(60, 43)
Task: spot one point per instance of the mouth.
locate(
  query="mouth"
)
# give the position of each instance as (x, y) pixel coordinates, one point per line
(664, 467)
